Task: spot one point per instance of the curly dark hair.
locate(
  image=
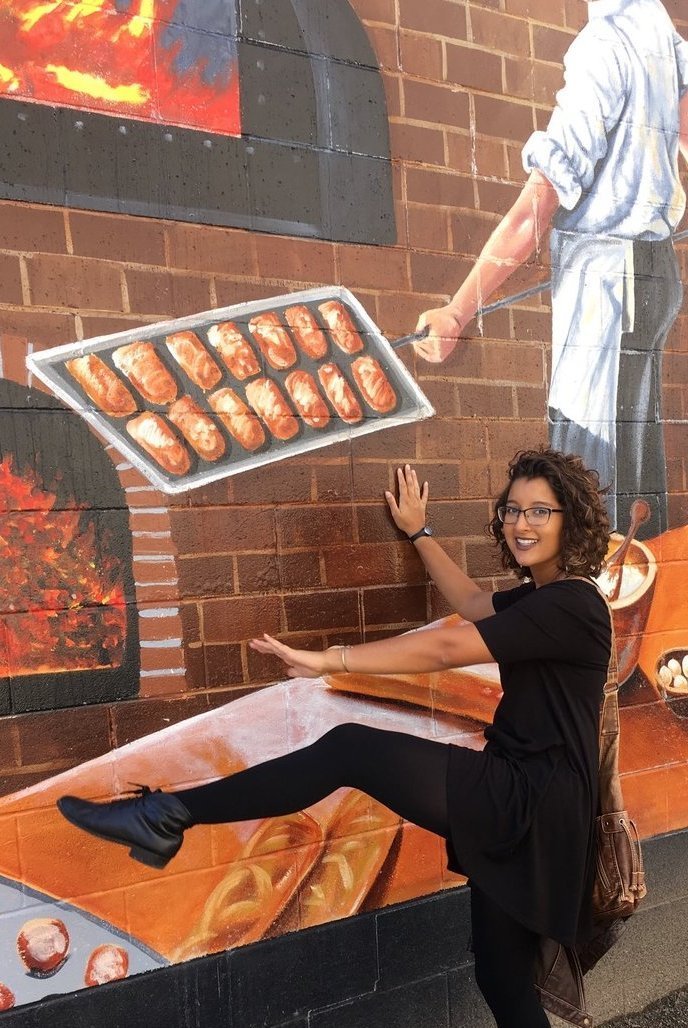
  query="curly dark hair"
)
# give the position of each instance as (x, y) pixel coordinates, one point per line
(577, 489)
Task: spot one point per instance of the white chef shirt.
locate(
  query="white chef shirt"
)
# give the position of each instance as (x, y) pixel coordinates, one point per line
(611, 147)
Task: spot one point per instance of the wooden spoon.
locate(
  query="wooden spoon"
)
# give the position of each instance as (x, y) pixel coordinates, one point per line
(640, 513)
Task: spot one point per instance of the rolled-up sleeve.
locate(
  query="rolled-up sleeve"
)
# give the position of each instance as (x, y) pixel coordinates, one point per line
(681, 50)
(588, 107)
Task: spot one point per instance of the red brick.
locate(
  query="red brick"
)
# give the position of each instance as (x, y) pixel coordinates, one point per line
(428, 229)
(97, 325)
(506, 437)
(497, 31)
(470, 230)
(206, 576)
(436, 104)
(138, 718)
(224, 529)
(257, 573)
(421, 56)
(58, 281)
(202, 248)
(397, 446)
(313, 526)
(463, 438)
(506, 362)
(288, 481)
(577, 15)
(416, 143)
(10, 279)
(486, 401)
(376, 10)
(459, 518)
(9, 744)
(395, 606)
(460, 151)
(497, 196)
(532, 325)
(41, 329)
(490, 156)
(473, 479)
(475, 69)
(482, 560)
(75, 735)
(333, 482)
(32, 229)
(518, 77)
(503, 119)
(319, 611)
(392, 87)
(295, 260)
(163, 658)
(375, 524)
(531, 402)
(399, 312)
(443, 188)
(299, 571)
(539, 10)
(442, 273)
(230, 291)
(166, 294)
(374, 266)
(437, 17)
(550, 44)
(240, 618)
(191, 622)
(133, 240)
(547, 80)
(385, 42)
(360, 565)
(216, 666)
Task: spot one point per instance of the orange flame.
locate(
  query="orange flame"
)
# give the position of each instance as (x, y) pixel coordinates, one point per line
(89, 55)
(61, 593)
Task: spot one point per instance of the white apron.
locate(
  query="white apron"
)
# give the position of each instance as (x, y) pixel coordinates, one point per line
(592, 306)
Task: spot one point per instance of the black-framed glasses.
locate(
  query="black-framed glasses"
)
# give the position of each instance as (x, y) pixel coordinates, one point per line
(509, 514)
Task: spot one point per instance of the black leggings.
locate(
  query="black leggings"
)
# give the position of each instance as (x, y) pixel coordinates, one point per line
(409, 776)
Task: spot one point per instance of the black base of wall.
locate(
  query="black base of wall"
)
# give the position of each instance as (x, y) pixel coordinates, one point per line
(401, 967)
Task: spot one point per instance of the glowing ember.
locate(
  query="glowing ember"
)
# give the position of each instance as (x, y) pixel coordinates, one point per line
(62, 600)
(134, 58)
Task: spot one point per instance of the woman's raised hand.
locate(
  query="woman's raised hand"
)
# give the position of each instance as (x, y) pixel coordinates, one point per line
(409, 510)
(300, 663)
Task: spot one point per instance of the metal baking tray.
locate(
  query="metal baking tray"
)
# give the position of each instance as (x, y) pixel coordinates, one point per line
(412, 405)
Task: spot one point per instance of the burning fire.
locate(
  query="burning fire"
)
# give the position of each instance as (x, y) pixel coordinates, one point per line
(62, 604)
(133, 58)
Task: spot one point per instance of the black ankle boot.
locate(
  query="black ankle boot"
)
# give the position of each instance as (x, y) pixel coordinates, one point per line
(151, 823)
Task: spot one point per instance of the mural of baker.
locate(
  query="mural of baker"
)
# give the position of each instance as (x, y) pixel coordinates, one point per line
(604, 175)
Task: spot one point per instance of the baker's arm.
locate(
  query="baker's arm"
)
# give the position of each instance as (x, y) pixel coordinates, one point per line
(683, 126)
(516, 237)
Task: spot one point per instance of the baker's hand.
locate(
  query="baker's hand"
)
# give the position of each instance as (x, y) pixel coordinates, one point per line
(445, 326)
(300, 663)
(409, 511)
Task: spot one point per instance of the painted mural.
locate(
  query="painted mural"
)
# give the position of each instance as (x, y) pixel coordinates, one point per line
(182, 409)
(184, 101)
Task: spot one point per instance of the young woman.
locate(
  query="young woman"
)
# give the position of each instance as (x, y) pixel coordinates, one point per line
(517, 817)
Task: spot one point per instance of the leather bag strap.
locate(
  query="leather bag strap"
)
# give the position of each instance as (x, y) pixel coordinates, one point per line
(611, 797)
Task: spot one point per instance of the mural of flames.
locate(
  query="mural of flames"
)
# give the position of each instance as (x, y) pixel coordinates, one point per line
(62, 604)
(131, 58)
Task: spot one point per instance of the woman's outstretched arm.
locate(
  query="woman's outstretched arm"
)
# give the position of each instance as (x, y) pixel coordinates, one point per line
(409, 511)
(432, 649)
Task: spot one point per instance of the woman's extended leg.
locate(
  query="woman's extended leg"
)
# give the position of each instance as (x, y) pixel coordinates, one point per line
(407, 774)
(505, 953)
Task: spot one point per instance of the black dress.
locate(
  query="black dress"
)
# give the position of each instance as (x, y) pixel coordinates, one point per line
(521, 812)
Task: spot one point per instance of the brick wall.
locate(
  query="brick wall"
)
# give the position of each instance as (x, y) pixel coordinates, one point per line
(305, 548)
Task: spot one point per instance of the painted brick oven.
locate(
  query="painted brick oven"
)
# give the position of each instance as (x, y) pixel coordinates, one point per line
(153, 661)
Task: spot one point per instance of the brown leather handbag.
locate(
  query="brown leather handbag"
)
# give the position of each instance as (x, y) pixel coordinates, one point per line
(619, 875)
